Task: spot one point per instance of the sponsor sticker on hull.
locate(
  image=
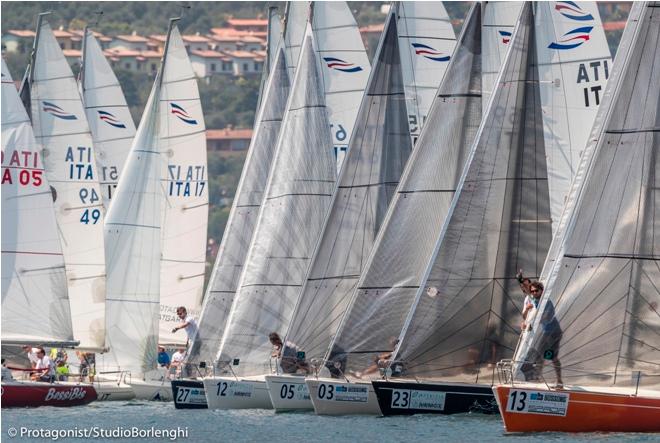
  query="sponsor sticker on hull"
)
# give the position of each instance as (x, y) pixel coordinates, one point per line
(234, 389)
(415, 399)
(190, 396)
(538, 402)
(343, 392)
(294, 391)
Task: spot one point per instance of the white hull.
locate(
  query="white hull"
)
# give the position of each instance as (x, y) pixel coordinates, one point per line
(237, 393)
(334, 397)
(113, 391)
(288, 393)
(152, 390)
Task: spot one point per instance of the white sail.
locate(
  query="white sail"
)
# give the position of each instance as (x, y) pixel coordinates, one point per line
(574, 64)
(296, 200)
(185, 215)
(498, 23)
(295, 22)
(344, 65)
(273, 41)
(35, 304)
(243, 216)
(467, 312)
(141, 210)
(381, 144)
(427, 41)
(108, 115)
(395, 267)
(60, 126)
(599, 314)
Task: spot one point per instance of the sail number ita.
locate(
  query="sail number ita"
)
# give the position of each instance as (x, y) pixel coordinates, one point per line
(22, 168)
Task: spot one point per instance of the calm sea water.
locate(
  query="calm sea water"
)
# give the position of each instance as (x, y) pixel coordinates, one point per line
(267, 426)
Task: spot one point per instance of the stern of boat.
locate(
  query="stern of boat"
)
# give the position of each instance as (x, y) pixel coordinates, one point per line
(236, 393)
(337, 397)
(288, 393)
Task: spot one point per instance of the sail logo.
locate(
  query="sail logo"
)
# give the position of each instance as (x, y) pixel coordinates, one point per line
(573, 11)
(506, 36)
(56, 111)
(430, 53)
(111, 119)
(182, 114)
(341, 65)
(575, 37)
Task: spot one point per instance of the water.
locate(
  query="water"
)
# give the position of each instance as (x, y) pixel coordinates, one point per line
(267, 426)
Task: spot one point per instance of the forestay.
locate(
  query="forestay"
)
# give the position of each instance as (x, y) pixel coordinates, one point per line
(60, 126)
(427, 41)
(381, 145)
(182, 141)
(603, 286)
(344, 67)
(108, 115)
(243, 216)
(35, 303)
(394, 270)
(498, 23)
(296, 201)
(574, 63)
(467, 314)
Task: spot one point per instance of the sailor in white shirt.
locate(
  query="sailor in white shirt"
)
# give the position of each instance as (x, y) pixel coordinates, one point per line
(44, 366)
(189, 323)
(31, 355)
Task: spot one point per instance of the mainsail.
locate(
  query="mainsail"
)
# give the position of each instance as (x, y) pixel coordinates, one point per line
(141, 208)
(185, 187)
(35, 304)
(295, 22)
(404, 244)
(344, 67)
(574, 64)
(243, 216)
(466, 314)
(380, 147)
(426, 42)
(60, 126)
(603, 285)
(108, 115)
(296, 200)
(498, 22)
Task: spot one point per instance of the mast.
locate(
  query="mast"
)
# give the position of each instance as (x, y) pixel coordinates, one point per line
(29, 73)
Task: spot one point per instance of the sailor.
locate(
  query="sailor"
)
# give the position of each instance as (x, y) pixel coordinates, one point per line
(525, 286)
(87, 365)
(62, 370)
(31, 355)
(177, 360)
(6, 372)
(551, 332)
(189, 323)
(163, 357)
(290, 360)
(45, 369)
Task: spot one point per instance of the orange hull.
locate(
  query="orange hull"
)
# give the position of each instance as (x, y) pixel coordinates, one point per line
(527, 409)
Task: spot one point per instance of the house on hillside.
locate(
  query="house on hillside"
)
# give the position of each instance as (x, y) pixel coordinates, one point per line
(228, 139)
(206, 63)
(132, 42)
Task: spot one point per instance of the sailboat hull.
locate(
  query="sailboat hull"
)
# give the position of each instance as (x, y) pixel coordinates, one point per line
(189, 394)
(155, 390)
(410, 397)
(29, 394)
(288, 393)
(236, 393)
(334, 397)
(527, 409)
(113, 391)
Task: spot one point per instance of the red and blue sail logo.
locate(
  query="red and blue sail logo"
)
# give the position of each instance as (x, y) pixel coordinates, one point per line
(575, 37)
(182, 114)
(506, 36)
(430, 53)
(341, 65)
(573, 11)
(56, 111)
(111, 119)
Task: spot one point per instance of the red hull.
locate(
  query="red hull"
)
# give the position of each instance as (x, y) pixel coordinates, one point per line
(34, 394)
(575, 411)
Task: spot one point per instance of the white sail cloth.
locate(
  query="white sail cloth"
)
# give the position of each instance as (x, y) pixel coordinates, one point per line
(60, 126)
(296, 200)
(237, 237)
(394, 269)
(35, 303)
(182, 142)
(163, 182)
(599, 315)
(108, 115)
(427, 40)
(380, 147)
(466, 314)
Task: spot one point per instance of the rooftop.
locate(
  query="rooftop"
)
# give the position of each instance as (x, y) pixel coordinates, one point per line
(247, 22)
(133, 38)
(208, 54)
(228, 134)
